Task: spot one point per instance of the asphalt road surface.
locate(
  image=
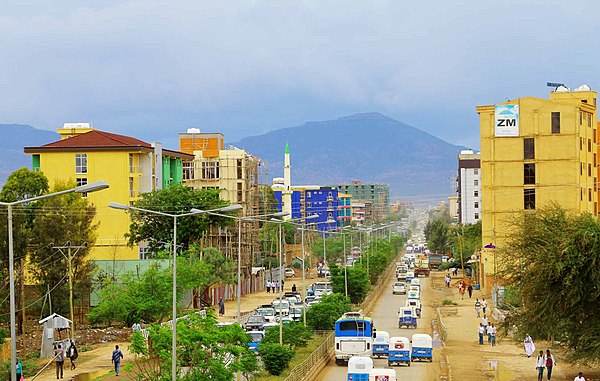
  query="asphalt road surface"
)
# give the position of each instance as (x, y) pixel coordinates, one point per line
(385, 318)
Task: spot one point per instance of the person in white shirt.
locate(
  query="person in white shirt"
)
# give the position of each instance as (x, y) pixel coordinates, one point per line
(540, 365)
(492, 334)
(481, 332)
(579, 377)
(483, 305)
(484, 322)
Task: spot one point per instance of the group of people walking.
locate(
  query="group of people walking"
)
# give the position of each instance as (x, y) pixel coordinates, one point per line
(59, 357)
(487, 329)
(274, 286)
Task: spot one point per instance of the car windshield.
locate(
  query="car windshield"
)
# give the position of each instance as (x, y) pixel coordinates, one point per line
(265, 311)
(256, 336)
(399, 284)
(256, 319)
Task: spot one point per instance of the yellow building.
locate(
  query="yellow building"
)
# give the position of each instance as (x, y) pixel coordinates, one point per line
(130, 166)
(535, 151)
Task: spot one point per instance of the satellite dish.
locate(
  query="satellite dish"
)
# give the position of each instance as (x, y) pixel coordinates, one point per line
(583, 88)
(562, 89)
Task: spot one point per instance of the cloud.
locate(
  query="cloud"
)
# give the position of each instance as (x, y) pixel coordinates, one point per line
(154, 68)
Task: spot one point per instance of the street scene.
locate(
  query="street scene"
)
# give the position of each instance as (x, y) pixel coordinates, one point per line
(299, 190)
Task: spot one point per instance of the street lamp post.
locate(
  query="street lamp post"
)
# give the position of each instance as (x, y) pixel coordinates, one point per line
(225, 209)
(87, 188)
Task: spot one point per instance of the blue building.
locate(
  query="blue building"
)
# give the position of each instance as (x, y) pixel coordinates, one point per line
(309, 200)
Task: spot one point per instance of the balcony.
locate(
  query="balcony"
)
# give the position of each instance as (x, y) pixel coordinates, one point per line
(135, 169)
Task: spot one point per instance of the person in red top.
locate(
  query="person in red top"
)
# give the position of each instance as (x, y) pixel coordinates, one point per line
(550, 362)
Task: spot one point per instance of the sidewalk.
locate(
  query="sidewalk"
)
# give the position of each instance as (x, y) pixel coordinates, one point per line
(251, 301)
(470, 361)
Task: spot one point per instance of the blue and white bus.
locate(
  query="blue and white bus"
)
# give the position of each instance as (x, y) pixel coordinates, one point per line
(353, 337)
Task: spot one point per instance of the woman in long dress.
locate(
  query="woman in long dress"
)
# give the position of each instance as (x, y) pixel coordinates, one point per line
(529, 345)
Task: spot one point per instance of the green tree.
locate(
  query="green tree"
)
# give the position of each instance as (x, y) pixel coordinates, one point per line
(437, 235)
(276, 358)
(60, 221)
(322, 316)
(22, 184)
(552, 259)
(358, 282)
(205, 350)
(334, 247)
(295, 335)
(156, 229)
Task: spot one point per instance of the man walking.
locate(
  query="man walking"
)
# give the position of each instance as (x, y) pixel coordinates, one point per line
(540, 364)
(268, 284)
(483, 305)
(550, 362)
(221, 307)
(481, 332)
(60, 360)
(579, 377)
(117, 355)
(470, 290)
(478, 307)
(484, 322)
(492, 334)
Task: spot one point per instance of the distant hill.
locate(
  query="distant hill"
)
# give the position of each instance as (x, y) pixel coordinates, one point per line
(13, 137)
(369, 147)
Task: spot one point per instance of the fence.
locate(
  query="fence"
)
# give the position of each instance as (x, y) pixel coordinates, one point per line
(315, 362)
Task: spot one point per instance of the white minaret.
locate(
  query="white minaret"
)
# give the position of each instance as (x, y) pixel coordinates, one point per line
(286, 194)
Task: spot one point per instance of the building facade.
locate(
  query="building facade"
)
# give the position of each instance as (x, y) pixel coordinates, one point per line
(533, 152)
(235, 173)
(344, 208)
(130, 166)
(377, 194)
(469, 187)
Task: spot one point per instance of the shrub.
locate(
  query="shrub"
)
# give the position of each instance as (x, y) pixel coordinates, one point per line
(295, 335)
(276, 358)
(322, 316)
(448, 302)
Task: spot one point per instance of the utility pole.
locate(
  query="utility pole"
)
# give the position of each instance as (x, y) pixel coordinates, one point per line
(23, 296)
(69, 257)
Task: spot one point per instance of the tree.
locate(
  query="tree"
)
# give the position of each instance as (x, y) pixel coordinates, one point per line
(334, 247)
(62, 220)
(552, 259)
(322, 316)
(158, 230)
(358, 282)
(205, 350)
(275, 357)
(295, 335)
(436, 234)
(22, 184)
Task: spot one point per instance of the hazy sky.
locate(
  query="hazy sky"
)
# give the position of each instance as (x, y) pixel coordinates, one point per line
(154, 68)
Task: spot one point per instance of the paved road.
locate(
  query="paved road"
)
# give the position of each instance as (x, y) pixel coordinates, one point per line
(385, 318)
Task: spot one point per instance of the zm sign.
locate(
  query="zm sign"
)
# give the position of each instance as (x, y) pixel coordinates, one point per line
(506, 120)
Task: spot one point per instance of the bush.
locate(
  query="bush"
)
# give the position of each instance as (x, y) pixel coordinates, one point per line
(448, 302)
(322, 316)
(276, 358)
(295, 335)
(358, 282)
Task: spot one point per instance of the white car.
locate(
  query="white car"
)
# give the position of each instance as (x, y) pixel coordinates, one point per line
(289, 273)
(398, 288)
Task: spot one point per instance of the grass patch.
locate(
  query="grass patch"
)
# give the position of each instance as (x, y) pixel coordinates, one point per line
(301, 355)
(448, 302)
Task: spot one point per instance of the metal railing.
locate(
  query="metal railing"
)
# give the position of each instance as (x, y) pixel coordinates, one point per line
(315, 362)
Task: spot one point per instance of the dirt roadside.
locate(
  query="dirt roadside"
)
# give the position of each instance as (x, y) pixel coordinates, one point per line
(506, 361)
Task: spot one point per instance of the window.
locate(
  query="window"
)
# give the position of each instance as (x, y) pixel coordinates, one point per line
(476, 205)
(589, 145)
(581, 169)
(239, 169)
(529, 199)
(589, 120)
(476, 182)
(529, 174)
(476, 171)
(580, 117)
(590, 194)
(131, 167)
(144, 252)
(239, 192)
(82, 181)
(589, 170)
(475, 193)
(556, 122)
(188, 170)
(80, 163)
(210, 170)
(477, 216)
(528, 149)
(581, 144)
(595, 160)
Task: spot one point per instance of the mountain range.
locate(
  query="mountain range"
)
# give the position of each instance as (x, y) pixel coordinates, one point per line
(370, 147)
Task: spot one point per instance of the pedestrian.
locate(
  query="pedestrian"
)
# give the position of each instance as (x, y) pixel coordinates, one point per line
(540, 364)
(484, 321)
(550, 362)
(461, 290)
(282, 284)
(447, 279)
(221, 307)
(579, 377)
(117, 355)
(19, 370)
(470, 289)
(73, 353)
(481, 332)
(529, 346)
(294, 289)
(477, 306)
(59, 355)
(492, 334)
(483, 305)
(268, 286)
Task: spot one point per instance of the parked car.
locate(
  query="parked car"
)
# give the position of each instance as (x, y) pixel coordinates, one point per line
(398, 288)
(255, 323)
(289, 273)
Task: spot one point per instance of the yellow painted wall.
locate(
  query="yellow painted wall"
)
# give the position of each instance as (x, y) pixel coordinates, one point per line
(114, 168)
(558, 161)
